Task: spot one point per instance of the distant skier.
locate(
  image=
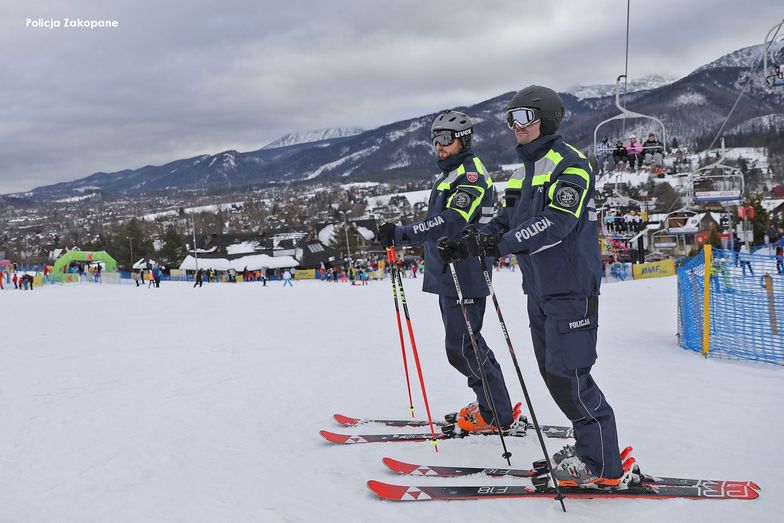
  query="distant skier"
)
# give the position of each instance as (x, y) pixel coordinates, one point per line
(26, 282)
(199, 278)
(287, 279)
(653, 150)
(620, 157)
(634, 153)
(745, 259)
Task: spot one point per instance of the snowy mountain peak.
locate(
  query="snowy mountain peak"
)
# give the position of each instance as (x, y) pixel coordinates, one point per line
(313, 136)
(746, 58)
(645, 83)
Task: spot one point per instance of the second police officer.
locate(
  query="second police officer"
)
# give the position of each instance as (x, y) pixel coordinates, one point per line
(462, 195)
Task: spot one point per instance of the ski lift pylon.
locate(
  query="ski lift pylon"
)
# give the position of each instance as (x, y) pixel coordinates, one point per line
(625, 113)
(773, 71)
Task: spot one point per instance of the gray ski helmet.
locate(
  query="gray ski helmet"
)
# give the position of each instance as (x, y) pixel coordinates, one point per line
(459, 123)
(548, 105)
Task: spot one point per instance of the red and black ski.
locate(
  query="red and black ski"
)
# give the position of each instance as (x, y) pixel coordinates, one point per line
(411, 469)
(551, 431)
(703, 490)
(443, 471)
(353, 422)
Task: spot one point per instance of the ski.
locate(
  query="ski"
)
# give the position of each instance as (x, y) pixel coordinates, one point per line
(551, 431)
(411, 469)
(353, 422)
(703, 490)
(350, 439)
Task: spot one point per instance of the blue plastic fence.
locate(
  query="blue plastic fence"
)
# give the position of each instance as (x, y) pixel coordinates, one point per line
(745, 320)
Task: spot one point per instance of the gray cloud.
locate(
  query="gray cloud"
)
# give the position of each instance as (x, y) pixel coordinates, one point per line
(180, 78)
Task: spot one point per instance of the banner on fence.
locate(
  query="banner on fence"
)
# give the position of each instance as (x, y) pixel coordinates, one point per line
(305, 274)
(657, 269)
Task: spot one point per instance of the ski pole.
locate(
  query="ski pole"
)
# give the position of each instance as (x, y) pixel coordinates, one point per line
(506, 455)
(434, 441)
(393, 268)
(483, 263)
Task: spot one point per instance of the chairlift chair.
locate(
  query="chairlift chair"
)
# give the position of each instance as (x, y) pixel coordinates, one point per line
(727, 186)
(625, 113)
(773, 71)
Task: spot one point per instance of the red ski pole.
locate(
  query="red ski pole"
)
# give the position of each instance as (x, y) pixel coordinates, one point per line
(434, 441)
(391, 258)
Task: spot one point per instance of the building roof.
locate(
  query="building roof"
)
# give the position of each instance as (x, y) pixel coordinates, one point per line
(252, 261)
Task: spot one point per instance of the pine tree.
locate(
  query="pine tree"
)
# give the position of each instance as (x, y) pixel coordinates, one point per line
(174, 250)
(337, 239)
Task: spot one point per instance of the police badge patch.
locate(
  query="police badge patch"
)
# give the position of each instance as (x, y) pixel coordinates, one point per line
(461, 200)
(566, 197)
(472, 177)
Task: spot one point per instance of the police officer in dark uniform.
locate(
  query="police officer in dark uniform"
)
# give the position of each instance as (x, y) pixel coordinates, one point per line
(549, 221)
(462, 195)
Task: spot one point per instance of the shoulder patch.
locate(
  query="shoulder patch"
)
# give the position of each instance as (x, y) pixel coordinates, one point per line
(472, 177)
(461, 200)
(567, 197)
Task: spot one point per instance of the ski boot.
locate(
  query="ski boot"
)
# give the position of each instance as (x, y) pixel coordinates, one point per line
(452, 417)
(571, 471)
(474, 423)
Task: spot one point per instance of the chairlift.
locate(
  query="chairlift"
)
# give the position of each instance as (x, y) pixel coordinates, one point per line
(773, 71)
(625, 113)
(677, 222)
(719, 183)
(663, 241)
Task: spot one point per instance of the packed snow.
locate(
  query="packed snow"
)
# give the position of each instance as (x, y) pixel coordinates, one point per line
(130, 404)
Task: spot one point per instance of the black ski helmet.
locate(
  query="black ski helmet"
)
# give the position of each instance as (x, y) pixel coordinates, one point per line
(459, 123)
(548, 105)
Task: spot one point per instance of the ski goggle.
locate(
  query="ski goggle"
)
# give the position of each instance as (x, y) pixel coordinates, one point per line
(444, 138)
(521, 116)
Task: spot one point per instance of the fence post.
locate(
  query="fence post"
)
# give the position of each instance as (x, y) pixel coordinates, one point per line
(771, 303)
(706, 299)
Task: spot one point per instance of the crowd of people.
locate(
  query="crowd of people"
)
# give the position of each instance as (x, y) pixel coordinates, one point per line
(617, 221)
(630, 156)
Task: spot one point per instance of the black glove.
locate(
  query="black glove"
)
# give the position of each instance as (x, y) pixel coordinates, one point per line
(386, 234)
(451, 251)
(477, 243)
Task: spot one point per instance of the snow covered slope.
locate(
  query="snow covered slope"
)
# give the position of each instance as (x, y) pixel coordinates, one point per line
(645, 83)
(204, 405)
(313, 136)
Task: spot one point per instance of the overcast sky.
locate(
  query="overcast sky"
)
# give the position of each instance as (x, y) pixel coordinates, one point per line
(179, 78)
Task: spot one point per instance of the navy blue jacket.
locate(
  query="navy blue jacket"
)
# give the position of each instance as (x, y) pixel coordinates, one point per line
(462, 195)
(549, 220)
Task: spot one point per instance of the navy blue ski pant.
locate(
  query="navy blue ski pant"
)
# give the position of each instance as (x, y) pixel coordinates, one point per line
(564, 339)
(461, 355)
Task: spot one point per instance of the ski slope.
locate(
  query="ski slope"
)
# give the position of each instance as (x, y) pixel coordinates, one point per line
(128, 404)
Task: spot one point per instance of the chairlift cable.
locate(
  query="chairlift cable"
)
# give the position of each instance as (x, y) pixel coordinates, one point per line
(734, 106)
(745, 86)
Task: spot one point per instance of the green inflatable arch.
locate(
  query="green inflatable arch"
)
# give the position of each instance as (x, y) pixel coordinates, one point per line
(82, 256)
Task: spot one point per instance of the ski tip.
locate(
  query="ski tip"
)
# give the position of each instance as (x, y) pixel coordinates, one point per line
(754, 486)
(387, 491)
(400, 467)
(346, 420)
(334, 438)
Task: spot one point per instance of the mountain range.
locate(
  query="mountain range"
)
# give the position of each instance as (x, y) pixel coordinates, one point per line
(692, 108)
